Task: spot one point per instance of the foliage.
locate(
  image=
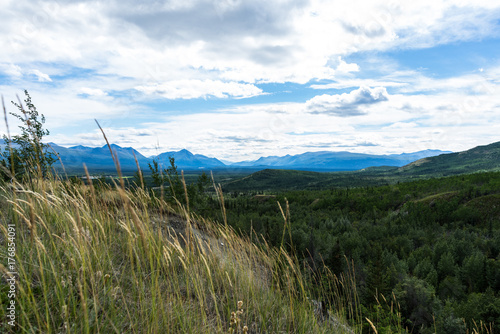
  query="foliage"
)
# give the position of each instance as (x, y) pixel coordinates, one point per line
(178, 190)
(434, 243)
(26, 156)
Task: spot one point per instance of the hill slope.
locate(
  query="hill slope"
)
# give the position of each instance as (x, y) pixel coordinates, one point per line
(480, 158)
(127, 267)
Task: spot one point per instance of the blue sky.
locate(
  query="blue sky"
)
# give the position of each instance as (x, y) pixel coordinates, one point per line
(239, 79)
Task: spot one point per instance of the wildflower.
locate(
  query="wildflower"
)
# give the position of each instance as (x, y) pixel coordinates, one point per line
(98, 275)
(116, 292)
(65, 310)
(240, 304)
(86, 234)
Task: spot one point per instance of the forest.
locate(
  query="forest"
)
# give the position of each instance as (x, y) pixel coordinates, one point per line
(431, 245)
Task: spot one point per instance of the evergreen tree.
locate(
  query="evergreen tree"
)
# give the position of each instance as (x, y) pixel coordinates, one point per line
(25, 154)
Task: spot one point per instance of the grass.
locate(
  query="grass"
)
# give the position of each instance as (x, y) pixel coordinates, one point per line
(113, 261)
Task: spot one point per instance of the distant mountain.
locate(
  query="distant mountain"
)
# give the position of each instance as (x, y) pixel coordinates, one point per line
(187, 160)
(98, 157)
(480, 158)
(336, 161)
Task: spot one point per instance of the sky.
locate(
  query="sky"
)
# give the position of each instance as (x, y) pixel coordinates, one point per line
(241, 79)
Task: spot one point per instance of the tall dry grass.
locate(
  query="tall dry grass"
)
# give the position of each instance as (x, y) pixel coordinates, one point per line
(113, 260)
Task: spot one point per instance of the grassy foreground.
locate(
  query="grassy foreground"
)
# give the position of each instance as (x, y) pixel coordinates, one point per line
(108, 260)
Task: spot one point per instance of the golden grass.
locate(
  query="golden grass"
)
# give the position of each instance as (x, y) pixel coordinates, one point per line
(120, 261)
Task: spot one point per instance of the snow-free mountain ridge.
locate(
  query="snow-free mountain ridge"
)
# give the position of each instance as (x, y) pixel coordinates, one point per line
(99, 158)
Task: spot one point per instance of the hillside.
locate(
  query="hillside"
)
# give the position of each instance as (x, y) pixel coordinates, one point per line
(430, 246)
(480, 158)
(102, 260)
(280, 179)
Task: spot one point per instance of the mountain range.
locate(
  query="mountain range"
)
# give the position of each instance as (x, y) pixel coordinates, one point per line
(478, 159)
(99, 159)
(337, 161)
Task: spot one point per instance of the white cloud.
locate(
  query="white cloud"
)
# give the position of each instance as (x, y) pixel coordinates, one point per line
(92, 91)
(349, 83)
(347, 104)
(42, 77)
(401, 125)
(242, 41)
(192, 89)
(11, 70)
(344, 67)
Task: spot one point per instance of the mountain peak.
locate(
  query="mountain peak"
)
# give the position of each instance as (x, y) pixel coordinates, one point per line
(113, 146)
(78, 147)
(185, 152)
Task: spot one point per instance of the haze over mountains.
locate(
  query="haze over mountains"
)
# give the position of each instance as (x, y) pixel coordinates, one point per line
(99, 158)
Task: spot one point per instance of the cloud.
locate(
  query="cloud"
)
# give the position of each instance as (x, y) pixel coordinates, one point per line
(42, 77)
(365, 143)
(349, 83)
(18, 72)
(244, 139)
(202, 20)
(11, 70)
(230, 49)
(373, 30)
(241, 41)
(92, 91)
(347, 104)
(192, 89)
(401, 125)
(343, 67)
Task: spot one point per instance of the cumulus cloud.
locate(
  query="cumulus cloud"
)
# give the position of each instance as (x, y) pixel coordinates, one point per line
(192, 89)
(344, 67)
(242, 41)
(347, 104)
